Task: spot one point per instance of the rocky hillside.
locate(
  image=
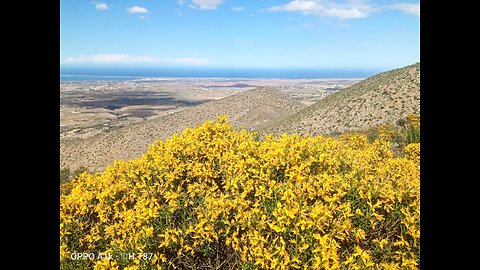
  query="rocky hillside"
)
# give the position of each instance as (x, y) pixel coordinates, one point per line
(383, 98)
(249, 109)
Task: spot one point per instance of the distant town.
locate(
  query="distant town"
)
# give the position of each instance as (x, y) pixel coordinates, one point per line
(91, 107)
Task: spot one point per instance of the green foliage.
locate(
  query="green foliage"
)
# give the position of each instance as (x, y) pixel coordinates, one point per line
(412, 134)
(412, 129)
(79, 171)
(64, 175)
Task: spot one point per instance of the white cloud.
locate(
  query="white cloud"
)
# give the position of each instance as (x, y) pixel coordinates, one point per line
(191, 61)
(101, 6)
(142, 17)
(137, 9)
(206, 4)
(181, 2)
(412, 9)
(118, 58)
(109, 59)
(238, 9)
(297, 5)
(350, 10)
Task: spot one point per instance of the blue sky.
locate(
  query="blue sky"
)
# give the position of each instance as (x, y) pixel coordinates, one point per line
(312, 34)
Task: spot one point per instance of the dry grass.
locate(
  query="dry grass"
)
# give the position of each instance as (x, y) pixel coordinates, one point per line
(249, 109)
(383, 98)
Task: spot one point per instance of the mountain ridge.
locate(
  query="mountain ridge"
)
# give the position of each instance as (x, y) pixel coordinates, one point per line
(382, 98)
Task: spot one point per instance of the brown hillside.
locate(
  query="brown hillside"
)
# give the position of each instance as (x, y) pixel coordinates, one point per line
(383, 98)
(248, 109)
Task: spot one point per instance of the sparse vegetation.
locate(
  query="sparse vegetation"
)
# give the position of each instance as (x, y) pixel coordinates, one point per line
(405, 131)
(64, 175)
(396, 93)
(79, 171)
(131, 141)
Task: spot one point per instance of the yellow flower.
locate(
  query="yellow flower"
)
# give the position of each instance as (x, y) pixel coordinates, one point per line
(286, 202)
(303, 248)
(359, 235)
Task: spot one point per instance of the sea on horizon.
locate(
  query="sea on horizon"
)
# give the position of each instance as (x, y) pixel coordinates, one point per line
(115, 75)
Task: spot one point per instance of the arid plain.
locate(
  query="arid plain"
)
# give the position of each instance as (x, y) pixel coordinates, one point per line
(90, 110)
(92, 107)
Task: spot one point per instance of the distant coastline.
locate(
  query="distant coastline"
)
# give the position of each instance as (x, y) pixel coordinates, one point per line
(124, 74)
(71, 77)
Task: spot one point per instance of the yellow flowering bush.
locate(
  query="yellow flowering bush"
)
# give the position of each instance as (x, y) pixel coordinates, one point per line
(220, 197)
(387, 132)
(413, 129)
(414, 120)
(412, 152)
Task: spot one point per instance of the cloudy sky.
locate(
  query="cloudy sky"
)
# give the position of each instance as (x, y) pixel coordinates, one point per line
(345, 34)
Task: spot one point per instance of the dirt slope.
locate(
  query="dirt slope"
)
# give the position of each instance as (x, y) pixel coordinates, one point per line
(383, 98)
(249, 109)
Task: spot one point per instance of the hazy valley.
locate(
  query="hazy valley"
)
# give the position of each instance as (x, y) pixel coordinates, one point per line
(106, 120)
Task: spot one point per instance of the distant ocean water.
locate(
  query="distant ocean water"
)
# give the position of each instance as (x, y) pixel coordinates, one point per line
(72, 77)
(135, 74)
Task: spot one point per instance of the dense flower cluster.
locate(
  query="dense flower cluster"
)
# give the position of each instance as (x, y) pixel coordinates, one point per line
(219, 195)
